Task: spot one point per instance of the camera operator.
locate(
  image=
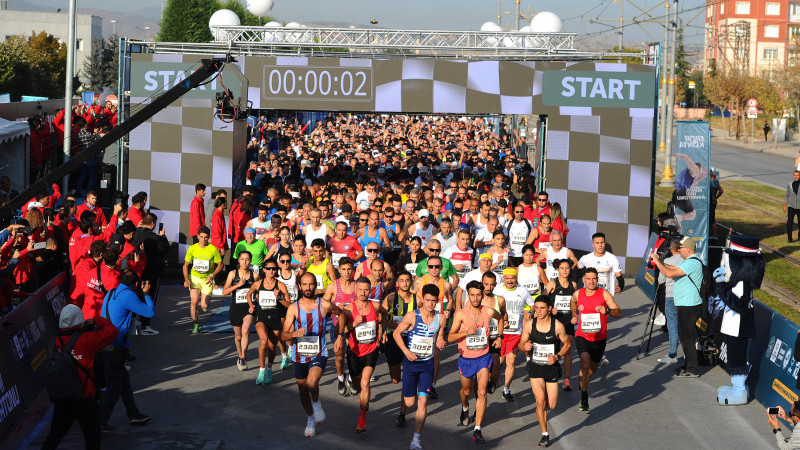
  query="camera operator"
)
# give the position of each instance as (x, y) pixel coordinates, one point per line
(794, 417)
(129, 298)
(155, 248)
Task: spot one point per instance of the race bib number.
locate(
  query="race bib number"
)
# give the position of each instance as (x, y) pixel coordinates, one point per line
(412, 268)
(541, 352)
(477, 341)
(293, 295)
(201, 265)
(255, 268)
(267, 300)
(531, 286)
(602, 281)
(590, 323)
(308, 346)
(513, 323)
(494, 328)
(366, 332)
(241, 296)
(421, 346)
(563, 303)
(544, 245)
(551, 271)
(320, 284)
(335, 258)
(518, 239)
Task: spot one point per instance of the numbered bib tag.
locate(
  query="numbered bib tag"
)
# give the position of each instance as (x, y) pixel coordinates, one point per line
(513, 323)
(267, 300)
(477, 341)
(255, 267)
(551, 271)
(320, 284)
(293, 295)
(241, 296)
(396, 246)
(590, 323)
(336, 257)
(518, 239)
(544, 245)
(201, 265)
(366, 332)
(531, 286)
(563, 303)
(421, 346)
(494, 328)
(308, 346)
(412, 268)
(541, 352)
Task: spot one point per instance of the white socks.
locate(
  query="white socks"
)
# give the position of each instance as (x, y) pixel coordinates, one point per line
(341, 378)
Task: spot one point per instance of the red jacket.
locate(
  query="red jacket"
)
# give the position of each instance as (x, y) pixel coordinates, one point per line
(235, 206)
(86, 348)
(86, 291)
(135, 215)
(100, 216)
(137, 267)
(79, 243)
(197, 216)
(41, 147)
(58, 123)
(51, 200)
(218, 237)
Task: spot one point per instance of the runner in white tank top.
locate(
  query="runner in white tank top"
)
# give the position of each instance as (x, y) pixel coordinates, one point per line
(319, 233)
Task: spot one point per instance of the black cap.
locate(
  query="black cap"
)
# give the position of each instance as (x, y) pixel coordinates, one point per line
(116, 242)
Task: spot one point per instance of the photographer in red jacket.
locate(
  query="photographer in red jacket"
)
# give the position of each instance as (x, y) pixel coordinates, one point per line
(96, 334)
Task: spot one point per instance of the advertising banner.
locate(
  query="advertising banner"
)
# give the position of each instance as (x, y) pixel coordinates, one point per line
(777, 374)
(691, 198)
(646, 277)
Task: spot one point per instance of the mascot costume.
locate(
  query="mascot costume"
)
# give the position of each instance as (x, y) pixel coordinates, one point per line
(739, 274)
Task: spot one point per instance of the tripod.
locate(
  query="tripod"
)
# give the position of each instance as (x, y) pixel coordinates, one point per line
(651, 318)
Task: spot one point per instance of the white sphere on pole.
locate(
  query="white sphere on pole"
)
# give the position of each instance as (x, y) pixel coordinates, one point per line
(259, 8)
(546, 22)
(222, 18)
(490, 26)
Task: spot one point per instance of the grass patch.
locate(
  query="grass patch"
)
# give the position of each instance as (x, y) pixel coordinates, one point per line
(789, 312)
(754, 186)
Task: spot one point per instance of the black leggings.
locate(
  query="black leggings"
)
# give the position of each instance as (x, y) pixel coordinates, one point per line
(792, 215)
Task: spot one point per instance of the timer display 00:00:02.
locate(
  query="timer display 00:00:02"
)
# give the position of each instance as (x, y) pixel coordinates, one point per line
(317, 83)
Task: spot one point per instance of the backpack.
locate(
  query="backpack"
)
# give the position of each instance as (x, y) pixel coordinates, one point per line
(706, 288)
(61, 376)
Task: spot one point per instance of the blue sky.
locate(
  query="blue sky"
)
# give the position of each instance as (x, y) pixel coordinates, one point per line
(468, 14)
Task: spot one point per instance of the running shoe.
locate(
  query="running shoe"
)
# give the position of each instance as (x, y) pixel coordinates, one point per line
(319, 413)
(284, 362)
(507, 396)
(244, 364)
(567, 387)
(139, 419)
(351, 388)
(239, 363)
(146, 331)
(362, 425)
(401, 420)
(464, 419)
(660, 321)
(478, 437)
(604, 362)
(668, 360)
(311, 429)
(415, 445)
(544, 441)
(491, 387)
(261, 377)
(584, 406)
(196, 329)
(342, 388)
(432, 394)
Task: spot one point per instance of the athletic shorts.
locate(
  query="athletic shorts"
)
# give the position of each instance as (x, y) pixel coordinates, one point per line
(356, 364)
(469, 367)
(685, 205)
(301, 369)
(510, 343)
(271, 319)
(566, 320)
(238, 313)
(551, 373)
(595, 349)
(199, 283)
(394, 355)
(417, 377)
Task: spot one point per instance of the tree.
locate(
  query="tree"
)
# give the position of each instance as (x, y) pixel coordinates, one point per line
(94, 69)
(14, 69)
(628, 59)
(111, 62)
(682, 68)
(47, 59)
(187, 21)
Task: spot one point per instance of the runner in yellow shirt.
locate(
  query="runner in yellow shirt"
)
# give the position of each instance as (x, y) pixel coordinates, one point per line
(202, 264)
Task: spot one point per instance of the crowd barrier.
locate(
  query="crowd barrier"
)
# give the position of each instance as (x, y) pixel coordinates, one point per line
(25, 336)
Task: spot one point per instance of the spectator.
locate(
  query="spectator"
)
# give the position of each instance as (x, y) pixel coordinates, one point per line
(219, 237)
(137, 209)
(791, 205)
(94, 276)
(90, 204)
(793, 418)
(197, 214)
(156, 248)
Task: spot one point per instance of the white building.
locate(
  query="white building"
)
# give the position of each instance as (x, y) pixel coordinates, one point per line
(14, 23)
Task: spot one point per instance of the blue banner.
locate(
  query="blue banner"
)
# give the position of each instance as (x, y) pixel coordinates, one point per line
(33, 98)
(692, 199)
(87, 97)
(5, 98)
(646, 277)
(777, 375)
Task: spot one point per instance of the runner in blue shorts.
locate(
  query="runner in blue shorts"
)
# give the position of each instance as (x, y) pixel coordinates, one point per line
(305, 328)
(425, 331)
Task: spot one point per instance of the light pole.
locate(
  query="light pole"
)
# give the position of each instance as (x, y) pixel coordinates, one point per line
(73, 7)
(114, 26)
(147, 32)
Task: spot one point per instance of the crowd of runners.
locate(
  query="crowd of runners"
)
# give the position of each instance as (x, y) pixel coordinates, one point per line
(401, 235)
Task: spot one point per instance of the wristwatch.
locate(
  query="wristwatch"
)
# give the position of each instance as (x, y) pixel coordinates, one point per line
(775, 430)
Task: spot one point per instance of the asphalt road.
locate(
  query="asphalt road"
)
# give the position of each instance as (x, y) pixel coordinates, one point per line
(198, 400)
(761, 167)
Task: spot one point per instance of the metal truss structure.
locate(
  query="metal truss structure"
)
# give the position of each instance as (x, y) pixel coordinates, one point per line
(471, 45)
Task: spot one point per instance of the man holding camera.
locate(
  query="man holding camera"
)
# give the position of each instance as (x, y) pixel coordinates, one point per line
(794, 417)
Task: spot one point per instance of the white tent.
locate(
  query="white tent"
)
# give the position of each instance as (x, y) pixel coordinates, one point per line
(15, 152)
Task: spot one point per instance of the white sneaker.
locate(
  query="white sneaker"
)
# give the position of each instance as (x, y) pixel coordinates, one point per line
(319, 413)
(604, 362)
(416, 445)
(660, 321)
(311, 429)
(146, 331)
(668, 360)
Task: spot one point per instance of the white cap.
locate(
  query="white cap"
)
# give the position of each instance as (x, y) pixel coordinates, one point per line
(423, 213)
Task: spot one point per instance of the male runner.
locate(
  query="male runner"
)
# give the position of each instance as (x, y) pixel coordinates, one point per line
(471, 330)
(341, 293)
(489, 281)
(516, 297)
(305, 327)
(398, 304)
(423, 326)
(363, 327)
(546, 339)
(594, 304)
(606, 264)
(202, 262)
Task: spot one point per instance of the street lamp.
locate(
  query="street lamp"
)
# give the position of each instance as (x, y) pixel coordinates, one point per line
(147, 32)
(114, 25)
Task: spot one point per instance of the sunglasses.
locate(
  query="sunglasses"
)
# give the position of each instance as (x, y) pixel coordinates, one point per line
(437, 266)
(542, 199)
(362, 220)
(285, 261)
(372, 250)
(271, 268)
(518, 212)
(434, 249)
